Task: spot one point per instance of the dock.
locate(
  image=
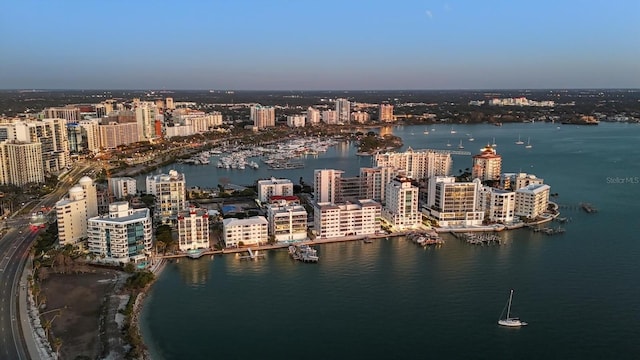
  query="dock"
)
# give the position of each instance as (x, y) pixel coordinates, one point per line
(479, 239)
(588, 208)
(425, 238)
(304, 253)
(252, 255)
(549, 230)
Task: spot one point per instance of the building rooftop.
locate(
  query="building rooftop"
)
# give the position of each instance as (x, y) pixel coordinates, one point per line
(533, 188)
(256, 220)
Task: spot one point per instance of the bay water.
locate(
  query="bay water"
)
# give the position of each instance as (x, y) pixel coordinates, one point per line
(578, 291)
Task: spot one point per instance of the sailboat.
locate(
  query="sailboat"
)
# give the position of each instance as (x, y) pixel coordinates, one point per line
(494, 143)
(519, 142)
(448, 144)
(452, 131)
(460, 146)
(510, 321)
(470, 137)
(426, 131)
(528, 146)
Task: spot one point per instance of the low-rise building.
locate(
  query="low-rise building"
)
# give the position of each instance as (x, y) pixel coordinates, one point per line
(245, 232)
(121, 187)
(71, 214)
(497, 204)
(274, 187)
(336, 220)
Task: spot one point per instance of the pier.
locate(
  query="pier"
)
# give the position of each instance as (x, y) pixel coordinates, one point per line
(304, 253)
(588, 208)
(479, 239)
(425, 238)
(252, 255)
(549, 230)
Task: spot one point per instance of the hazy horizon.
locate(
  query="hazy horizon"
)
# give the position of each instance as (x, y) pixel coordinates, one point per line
(320, 46)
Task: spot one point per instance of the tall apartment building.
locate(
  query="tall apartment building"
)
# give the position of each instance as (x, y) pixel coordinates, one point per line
(91, 129)
(263, 116)
(401, 208)
(417, 164)
(90, 194)
(295, 121)
(360, 117)
(23, 163)
(123, 235)
(329, 117)
(145, 113)
(326, 185)
(373, 182)
(274, 187)
(452, 203)
(121, 187)
(71, 214)
(71, 113)
(532, 201)
(385, 113)
(170, 192)
(343, 111)
(245, 232)
(349, 189)
(169, 103)
(497, 204)
(487, 165)
(313, 116)
(193, 229)
(287, 222)
(359, 218)
(115, 134)
(52, 134)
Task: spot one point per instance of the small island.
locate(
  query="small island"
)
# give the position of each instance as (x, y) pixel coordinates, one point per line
(371, 143)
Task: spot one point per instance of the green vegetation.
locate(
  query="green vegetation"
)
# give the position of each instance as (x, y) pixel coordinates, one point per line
(372, 143)
(139, 280)
(164, 239)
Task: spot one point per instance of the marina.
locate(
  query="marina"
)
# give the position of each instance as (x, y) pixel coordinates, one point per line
(425, 238)
(304, 253)
(479, 238)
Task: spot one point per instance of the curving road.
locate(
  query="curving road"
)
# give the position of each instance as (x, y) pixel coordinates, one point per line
(14, 251)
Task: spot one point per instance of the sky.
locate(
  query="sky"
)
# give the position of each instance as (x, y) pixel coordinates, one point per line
(319, 45)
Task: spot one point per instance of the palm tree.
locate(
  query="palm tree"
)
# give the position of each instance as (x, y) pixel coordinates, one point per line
(57, 344)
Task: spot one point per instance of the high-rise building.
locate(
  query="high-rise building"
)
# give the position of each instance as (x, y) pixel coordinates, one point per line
(313, 116)
(90, 195)
(343, 111)
(124, 235)
(52, 134)
(360, 117)
(295, 121)
(515, 181)
(487, 165)
(532, 200)
(287, 222)
(348, 219)
(454, 204)
(24, 162)
(373, 182)
(71, 113)
(115, 134)
(71, 214)
(169, 103)
(145, 114)
(245, 232)
(401, 207)
(193, 229)
(92, 131)
(170, 192)
(386, 113)
(326, 185)
(263, 116)
(121, 187)
(497, 204)
(329, 117)
(274, 187)
(417, 164)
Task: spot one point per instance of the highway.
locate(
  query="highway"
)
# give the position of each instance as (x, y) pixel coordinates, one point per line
(14, 251)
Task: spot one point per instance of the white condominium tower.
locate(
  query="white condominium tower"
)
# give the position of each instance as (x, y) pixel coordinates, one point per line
(170, 193)
(193, 229)
(124, 235)
(326, 185)
(401, 208)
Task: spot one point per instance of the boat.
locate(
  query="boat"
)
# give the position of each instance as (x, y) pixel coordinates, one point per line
(304, 253)
(460, 146)
(448, 144)
(367, 240)
(494, 143)
(519, 142)
(528, 146)
(426, 132)
(452, 131)
(508, 320)
(470, 137)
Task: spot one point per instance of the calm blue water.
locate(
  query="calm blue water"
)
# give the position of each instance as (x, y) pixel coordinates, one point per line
(391, 299)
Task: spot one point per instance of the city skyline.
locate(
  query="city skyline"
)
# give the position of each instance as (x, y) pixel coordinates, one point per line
(252, 45)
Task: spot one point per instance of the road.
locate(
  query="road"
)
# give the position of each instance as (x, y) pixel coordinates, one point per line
(14, 251)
